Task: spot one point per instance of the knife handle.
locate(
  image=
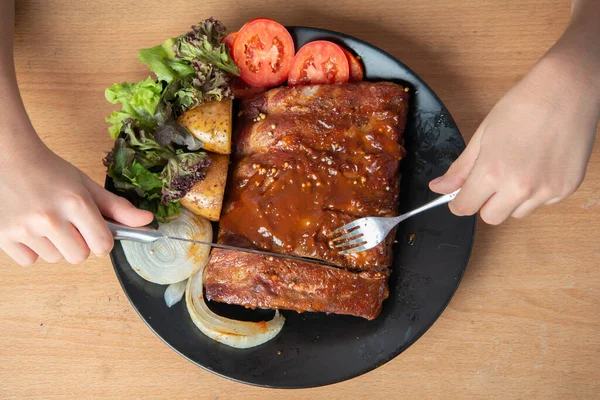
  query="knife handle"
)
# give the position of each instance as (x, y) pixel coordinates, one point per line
(143, 234)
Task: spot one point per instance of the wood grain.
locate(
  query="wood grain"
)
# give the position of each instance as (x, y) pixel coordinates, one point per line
(524, 322)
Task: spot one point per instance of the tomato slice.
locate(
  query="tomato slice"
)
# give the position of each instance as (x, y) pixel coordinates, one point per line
(228, 40)
(356, 69)
(263, 50)
(319, 62)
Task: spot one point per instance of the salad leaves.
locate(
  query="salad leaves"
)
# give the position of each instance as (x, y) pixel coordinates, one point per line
(181, 173)
(174, 132)
(154, 157)
(158, 175)
(203, 43)
(161, 60)
(138, 100)
(207, 84)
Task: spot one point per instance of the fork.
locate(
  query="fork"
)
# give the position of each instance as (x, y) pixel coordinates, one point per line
(366, 233)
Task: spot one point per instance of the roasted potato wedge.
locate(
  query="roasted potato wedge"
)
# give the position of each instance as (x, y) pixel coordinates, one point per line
(211, 123)
(206, 197)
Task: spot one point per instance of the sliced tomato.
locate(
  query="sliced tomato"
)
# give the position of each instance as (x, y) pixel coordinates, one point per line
(228, 40)
(356, 69)
(319, 62)
(263, 50)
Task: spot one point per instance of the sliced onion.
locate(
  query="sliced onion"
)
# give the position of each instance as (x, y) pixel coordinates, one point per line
(174, 293)
(238, 334)
(170, 261)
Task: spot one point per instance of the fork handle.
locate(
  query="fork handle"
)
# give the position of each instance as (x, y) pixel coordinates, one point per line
(144, 234)
(447, 198)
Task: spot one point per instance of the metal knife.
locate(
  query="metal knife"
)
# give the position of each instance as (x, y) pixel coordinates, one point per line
(147, 234)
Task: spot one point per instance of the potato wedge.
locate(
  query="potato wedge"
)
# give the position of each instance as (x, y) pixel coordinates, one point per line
(211, 123)
(206, 197)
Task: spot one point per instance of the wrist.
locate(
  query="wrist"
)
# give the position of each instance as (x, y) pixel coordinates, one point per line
(575, 81)
(18, 142)
(16, 131)
(577, 53)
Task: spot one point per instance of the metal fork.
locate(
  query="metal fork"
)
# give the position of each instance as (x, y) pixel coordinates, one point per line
(366, 233)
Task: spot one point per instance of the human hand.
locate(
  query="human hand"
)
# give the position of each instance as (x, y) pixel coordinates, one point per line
(50, 209)
(532, 148)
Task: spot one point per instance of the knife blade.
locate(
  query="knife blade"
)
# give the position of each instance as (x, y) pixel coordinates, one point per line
(253, 251)
(147, 234)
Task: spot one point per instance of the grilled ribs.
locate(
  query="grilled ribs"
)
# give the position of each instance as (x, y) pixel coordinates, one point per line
(306, 161)
(255, 281)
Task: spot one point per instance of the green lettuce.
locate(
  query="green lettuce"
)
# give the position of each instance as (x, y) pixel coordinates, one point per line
(155, 160)
(129, 175)
(161, 60)
(138, 100)
(207, 84)
(172, 132)
(146, 183)
(148, 151)
(164, 212)
(158, 175)
(193, 68)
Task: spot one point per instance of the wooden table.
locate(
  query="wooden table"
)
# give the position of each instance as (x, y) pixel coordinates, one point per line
(525, 321)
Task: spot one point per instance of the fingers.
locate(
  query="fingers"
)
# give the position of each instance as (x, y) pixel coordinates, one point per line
(74, 228)
(87, 219)
(70, 243)
(45, 249)
(553, 200)
(509, 201)
(95, 232)
(475, 192)
(500, 206)
(459, 171)
(22, 254)
(526, 208)
(117, 208)
(49, 236)
(484, 189)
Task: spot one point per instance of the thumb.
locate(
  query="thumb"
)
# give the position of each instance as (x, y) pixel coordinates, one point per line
(460, 169)
(116, 207)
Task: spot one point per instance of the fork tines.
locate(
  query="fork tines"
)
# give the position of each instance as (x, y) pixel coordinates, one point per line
(347, 238)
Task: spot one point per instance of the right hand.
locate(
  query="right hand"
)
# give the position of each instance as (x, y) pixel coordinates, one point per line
(52, 210)
(532, 148)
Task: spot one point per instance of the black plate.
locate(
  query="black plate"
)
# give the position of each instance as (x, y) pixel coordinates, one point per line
(431, 255)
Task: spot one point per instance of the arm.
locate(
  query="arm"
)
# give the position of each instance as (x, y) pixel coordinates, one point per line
(533, 147)
(48, 208)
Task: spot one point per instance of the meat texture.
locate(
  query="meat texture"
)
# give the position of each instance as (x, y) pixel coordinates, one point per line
(321, 157)
(306, 161)
(253, 281)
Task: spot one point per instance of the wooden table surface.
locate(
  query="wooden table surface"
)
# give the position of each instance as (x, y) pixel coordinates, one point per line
(525, 322)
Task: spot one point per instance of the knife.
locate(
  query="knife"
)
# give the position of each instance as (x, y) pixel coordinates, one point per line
(147, 234)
